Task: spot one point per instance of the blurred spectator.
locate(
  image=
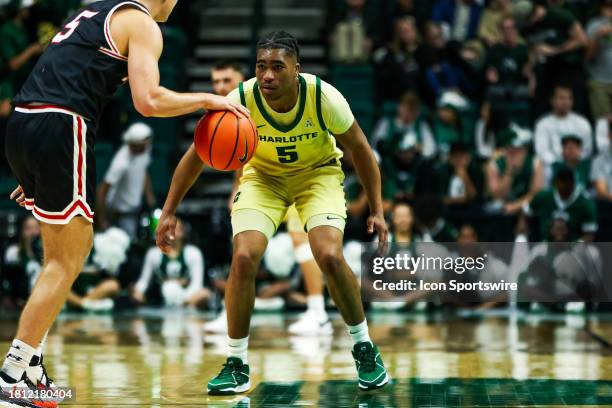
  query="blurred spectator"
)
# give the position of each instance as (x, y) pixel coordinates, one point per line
(515, 176)
(602, 133)
(15, 45)
(562, 121)
(177, 279)
(448, 124)
(420, 10)
(557, 40)
(405, 173)
(119, 198)
(460, 180)
(601, 174)
(354, 35)
(491, 20)
(409, 123)
(459, 18)
(435, 62)
(428, 210)
(225, 76)
(25, 258)
(599, 56)
(567, 201)
(397, 69)
(97, 285)
(506, 68)
(573, 159)
(403, 227)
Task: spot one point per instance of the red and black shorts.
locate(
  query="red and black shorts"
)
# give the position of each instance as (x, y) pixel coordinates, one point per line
(50, 150)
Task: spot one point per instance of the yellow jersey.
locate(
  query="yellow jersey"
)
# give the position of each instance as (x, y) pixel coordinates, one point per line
(301, 139)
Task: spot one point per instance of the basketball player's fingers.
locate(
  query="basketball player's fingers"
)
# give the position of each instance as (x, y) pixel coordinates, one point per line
(21, 198)
(239, 111)
(370, 226)
(16, 192)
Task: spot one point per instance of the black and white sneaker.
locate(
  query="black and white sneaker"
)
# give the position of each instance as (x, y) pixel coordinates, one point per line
(11, 394)
(37, 374)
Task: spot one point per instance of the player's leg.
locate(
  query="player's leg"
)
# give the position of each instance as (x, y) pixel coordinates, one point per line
(315, 321)
(321, 203)
(326, 243)
(258, 209)
(65, 249)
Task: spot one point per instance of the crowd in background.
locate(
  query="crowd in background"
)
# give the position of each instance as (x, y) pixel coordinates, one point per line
(493, 124)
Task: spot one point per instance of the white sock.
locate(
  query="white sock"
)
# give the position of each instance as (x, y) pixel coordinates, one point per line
(238, 348)
(36, 359)
(316, 304)
(359, 333)
(18, 359)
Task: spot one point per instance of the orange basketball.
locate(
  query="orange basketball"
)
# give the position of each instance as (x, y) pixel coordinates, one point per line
(224, 141)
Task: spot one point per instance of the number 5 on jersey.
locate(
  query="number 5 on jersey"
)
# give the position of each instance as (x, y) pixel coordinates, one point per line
(71, 26)
(287, 154)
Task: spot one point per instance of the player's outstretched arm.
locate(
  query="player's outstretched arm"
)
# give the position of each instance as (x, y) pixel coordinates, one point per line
(186, 173)
(145, 44)
(368, 172)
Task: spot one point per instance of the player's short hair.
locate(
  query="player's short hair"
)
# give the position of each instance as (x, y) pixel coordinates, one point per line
(227, 64)
(280, 40)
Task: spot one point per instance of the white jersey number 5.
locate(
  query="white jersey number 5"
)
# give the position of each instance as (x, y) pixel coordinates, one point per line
(71, 26)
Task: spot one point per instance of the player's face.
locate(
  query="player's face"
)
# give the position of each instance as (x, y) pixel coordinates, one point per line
(225, 80)
(276, 73)
(166, 9)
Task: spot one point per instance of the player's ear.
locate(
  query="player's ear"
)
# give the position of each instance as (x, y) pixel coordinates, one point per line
(297, 68)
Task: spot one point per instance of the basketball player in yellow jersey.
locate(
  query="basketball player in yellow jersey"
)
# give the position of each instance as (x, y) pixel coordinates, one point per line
(299, 119)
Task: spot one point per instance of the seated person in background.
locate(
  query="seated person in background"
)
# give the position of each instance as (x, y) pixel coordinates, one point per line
(406, 173)
(430, 221)
(176, 279)
(514, 176)
(409, 120)
(403, 227)
(460, 180)
(599, 60)
(559, 270)
(506, 68)
(459, 18)
(97, 285)
(574, 159)
(602, 133)
(492, 17)
(396, 66)
(278, 281)
(564, 200)
(22, 261)
(601, 173)
(355, 33)
(448, 125)
(561, 121)
(120, 195)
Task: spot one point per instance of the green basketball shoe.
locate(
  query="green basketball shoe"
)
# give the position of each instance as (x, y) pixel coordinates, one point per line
(370, 368)
(233, 378)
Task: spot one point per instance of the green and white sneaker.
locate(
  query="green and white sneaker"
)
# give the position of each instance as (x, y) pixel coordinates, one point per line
(370, 368)
(233, 378)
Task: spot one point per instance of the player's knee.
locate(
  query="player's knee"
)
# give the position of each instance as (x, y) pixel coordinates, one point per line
(330, 260)
(245, 262)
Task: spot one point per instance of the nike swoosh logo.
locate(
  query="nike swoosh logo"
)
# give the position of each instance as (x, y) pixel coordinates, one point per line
(333, 218)
(260, 126)
(246, 151)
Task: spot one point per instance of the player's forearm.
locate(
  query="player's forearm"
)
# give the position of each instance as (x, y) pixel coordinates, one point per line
(186, 173)
(162, 102)
(369, 175)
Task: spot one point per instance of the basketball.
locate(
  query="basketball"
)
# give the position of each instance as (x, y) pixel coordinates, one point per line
(224, 141)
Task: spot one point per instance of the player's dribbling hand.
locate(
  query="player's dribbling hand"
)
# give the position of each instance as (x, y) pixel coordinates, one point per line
(376, 222)
(216, 102)
(165, 232)
(19, 196)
